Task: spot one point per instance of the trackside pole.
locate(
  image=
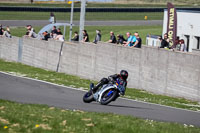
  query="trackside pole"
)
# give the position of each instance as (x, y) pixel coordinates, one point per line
(71, 20)
(82, 19)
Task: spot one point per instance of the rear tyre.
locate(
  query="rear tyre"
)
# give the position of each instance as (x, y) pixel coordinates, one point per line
(88, 97)
(108, 96)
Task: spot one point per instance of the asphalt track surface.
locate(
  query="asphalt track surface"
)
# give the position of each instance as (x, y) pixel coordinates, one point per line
(25, 90)
(17, 23)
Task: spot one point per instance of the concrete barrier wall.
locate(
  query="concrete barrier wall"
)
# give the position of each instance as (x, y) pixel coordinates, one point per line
(41, 54)
(152, 69)
(9, 48)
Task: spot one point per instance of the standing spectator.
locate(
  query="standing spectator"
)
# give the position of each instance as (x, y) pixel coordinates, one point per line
(120, 39)
(163, 43)
(52, 18)
(182, 46)
(1, 28)
(46, 36)
(30, 31)
(54, 32)
(138, 43)
(59, 35)
(130, 40)
(112, 38)
(76, 36)
(85, 36)
(98, 36)
(166, 38)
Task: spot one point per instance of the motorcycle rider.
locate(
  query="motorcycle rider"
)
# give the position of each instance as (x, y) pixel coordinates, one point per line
(121, 78)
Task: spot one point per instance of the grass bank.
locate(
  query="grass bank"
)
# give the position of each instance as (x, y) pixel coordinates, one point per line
(105, 30)
(29, 118)
(73, 81)
(105, 16)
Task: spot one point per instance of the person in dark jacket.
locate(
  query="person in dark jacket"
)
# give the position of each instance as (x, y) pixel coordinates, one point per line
(120, 39)
(112, 38)
(46, 36)
(121, 78)
(76, 36)
(164, 43)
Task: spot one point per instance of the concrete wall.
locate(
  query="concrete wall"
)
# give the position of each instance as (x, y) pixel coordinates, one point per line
(152, 69)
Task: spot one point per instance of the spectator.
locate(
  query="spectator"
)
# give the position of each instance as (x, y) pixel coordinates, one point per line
(46, 36)
(54, 32)
(30, 31)
(76, 36)
(1, 32)
(182, 46)
(138, 42)
(120, 39)
(166, 38)
(98, 36)
(52, 18)
(164, 43)
(85, 36)
(59, 35)
(112, 38)
(130, 40)
(6, 32)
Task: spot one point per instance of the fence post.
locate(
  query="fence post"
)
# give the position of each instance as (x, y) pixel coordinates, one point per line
(20, 47)
(82, 19)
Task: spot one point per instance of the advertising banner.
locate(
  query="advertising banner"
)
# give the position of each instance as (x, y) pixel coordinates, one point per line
(172, 25)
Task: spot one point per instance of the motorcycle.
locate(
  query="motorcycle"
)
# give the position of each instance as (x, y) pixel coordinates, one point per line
(105, 94)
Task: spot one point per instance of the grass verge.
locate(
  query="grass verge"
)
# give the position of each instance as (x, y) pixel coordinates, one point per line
(73, 81)
(30, 118)
(105, 31)
(10, 15)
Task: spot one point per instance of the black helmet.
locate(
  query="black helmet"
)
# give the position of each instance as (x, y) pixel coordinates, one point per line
(124, 74)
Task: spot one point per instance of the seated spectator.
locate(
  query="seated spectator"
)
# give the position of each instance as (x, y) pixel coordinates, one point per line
(59, 35)
(85, 36)
(30, 31)
(164, 44)
(130, 40)
(76, 36)
(120, 39)
(138, 42)
(46, 36)
(112, 38)
(54, 32)
(98, 36)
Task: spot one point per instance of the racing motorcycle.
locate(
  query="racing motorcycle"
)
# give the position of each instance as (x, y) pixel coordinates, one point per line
(105, 94)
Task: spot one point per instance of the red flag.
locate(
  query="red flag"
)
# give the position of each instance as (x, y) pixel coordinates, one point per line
(172, 25)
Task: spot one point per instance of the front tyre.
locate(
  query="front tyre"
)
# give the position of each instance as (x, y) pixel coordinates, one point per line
(108, 96)
(88, 97)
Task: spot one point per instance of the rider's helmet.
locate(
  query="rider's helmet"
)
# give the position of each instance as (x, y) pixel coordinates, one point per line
(124, 74)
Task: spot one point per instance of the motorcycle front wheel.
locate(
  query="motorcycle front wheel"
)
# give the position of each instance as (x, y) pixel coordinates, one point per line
(108, 96)
(88, 97)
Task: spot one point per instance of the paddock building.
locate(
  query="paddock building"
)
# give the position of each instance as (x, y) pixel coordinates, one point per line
(188, 27)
